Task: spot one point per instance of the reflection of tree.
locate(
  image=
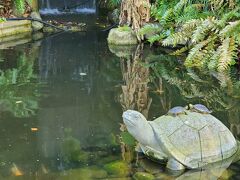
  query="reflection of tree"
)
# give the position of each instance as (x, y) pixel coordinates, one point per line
(219, 91)
(17, 94)
(135, 91)
(159, 77)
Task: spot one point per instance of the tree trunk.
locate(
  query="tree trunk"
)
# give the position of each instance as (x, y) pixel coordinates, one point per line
(134, 13)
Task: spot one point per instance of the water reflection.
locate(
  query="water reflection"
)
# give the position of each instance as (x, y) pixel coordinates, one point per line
(170, 85)
(136, 77)
(17, 94)
(62, 101)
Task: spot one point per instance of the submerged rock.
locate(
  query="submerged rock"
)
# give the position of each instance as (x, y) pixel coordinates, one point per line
(164, 176)
(150, 166)
(118, 168)
(122, 36)
(35, 24)
(84, 173)
(143, 176)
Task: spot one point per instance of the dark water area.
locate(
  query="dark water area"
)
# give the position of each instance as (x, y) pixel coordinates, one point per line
(62, 100)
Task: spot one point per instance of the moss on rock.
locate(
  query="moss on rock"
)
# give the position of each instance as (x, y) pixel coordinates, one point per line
(122, 36)
(118, 168)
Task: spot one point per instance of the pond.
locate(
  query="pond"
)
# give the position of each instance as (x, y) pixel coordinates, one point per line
(62, 98)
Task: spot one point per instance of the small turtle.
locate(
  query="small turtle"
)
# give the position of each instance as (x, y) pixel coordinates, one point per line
(192, 141)
(176, 111)
(199, 108)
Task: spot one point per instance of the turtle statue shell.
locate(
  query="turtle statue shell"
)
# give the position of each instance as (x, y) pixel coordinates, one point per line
(194, 139)
(190, 140)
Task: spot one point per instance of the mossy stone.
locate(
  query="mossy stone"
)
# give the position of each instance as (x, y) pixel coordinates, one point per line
(143, 176)
(118, 168)
(35, 24)
(120, 36)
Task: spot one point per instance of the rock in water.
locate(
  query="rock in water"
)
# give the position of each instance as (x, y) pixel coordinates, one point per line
(35, 24)
(122, 36)
(143, 176)
(117, 168)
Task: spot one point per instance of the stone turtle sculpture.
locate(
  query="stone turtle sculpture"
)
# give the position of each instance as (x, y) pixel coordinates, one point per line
(190, 140)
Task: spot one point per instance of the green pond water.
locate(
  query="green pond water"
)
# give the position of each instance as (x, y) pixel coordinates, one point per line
(62, 98)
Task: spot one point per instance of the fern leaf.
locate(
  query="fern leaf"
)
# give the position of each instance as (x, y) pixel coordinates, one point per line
(229, 30)
(156, 38)
(180, 51)
(227, 53)
(201, 31)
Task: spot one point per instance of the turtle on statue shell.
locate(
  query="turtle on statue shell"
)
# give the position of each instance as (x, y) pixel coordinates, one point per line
(199, 108)
(187, 141)
(176, 111)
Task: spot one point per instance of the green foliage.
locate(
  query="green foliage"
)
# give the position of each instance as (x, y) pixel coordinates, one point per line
(20, 6)
(2, 20)
(114, 3)
(208, 30)
(124, 28)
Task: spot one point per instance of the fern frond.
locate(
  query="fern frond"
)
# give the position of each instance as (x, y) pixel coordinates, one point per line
(227, 53)
(196, 55)
(149, 29)
(228, 17)
(191, 24)
(156, 38)
(168, 16)
(200, 33)
(180, 51)
(230, 30)
(177, 38)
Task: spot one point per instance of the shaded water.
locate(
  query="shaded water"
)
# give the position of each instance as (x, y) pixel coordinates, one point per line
(62, 100)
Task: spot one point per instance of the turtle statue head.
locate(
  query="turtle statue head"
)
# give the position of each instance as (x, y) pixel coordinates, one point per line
(137, 125)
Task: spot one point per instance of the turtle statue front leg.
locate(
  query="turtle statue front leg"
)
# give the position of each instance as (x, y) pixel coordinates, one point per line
(174, 165)
(152, 153)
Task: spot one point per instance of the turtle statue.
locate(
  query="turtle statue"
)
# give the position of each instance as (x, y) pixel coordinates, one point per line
(199, 108)
(188, 141)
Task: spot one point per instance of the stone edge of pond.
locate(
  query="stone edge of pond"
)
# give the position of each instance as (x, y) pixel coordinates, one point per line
(9, 28)
(15, 32)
